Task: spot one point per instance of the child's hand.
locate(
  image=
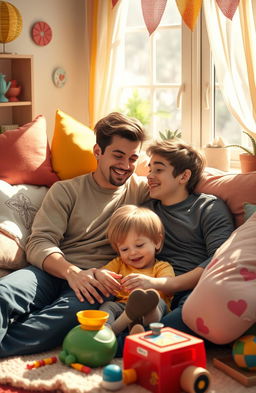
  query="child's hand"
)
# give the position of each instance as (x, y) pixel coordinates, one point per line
(109, 279)
(136, 280)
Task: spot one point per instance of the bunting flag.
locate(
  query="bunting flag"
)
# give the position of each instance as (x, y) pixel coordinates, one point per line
(114, 3)
(189, 10)
(152, 13)
(228, 7)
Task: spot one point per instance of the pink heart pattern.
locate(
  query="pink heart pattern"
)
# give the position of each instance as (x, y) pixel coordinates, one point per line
(201, 326)
(247, 274)
(237, 307)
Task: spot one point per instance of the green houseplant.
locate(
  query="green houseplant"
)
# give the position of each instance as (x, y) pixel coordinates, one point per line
(170, 134)
(247, 159)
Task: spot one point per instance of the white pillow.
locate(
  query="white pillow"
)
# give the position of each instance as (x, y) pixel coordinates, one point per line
(18, 206)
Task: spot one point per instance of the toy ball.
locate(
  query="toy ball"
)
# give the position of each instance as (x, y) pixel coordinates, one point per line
(91, 343)
(244, 352)
(112, 377)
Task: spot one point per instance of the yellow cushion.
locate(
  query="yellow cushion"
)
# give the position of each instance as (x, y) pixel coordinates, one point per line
(72, 147)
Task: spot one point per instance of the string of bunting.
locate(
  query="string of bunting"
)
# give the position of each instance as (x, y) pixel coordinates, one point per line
(153, 10)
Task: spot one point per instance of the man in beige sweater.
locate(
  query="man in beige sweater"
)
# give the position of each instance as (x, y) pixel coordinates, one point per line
(38, 304)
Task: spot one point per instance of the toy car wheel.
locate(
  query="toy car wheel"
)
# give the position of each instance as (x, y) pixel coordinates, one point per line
(195, 379)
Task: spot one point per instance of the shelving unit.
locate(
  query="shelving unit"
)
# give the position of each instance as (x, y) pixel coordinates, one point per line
(20, 68)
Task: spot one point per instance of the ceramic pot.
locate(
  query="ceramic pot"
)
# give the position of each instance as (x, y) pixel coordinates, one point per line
(247, 163)
(13, 93)
(217, 157)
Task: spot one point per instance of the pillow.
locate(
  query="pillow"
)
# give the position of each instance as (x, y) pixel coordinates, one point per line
(72, 147)
(223, 304)
(234, 189)
(25, 155)
(12, 256)
(249, 209)
(18, 205)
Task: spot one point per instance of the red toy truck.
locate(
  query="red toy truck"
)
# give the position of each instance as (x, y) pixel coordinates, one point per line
(167, 362)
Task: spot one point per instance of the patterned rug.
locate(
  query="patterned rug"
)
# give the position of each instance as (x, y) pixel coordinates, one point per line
(57, 378)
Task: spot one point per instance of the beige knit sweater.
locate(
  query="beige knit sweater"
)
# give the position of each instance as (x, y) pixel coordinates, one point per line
(73, 219)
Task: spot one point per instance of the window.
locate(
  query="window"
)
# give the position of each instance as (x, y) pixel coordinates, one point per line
(169, 80)
(152, 71)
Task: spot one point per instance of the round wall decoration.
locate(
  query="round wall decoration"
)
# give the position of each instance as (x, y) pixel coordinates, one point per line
(41, 33)
(59, 77)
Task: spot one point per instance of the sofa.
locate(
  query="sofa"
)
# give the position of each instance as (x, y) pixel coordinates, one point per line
(29, 166)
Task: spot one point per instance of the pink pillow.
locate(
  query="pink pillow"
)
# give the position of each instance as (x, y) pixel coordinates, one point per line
(222, 307)
(234, 189)
(25, 155)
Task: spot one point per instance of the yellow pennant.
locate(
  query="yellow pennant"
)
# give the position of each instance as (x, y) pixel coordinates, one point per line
(189, 10)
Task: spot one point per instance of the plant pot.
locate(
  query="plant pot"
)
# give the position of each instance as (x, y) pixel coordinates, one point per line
(217, 157)
(247, 162)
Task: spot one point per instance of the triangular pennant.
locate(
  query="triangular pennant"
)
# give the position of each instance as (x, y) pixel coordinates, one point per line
(152, 13)
(114, 3)
(189, 10)
(228, 7)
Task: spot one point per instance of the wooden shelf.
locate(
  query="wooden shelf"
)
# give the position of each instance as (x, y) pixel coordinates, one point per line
(17, 103)
(19, 68)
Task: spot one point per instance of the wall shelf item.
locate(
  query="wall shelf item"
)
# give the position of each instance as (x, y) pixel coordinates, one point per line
(41, 33)
(10, 23)
(59, 77)
(20, 69)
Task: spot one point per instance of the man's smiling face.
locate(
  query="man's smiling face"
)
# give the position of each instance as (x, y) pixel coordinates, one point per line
(117, 163)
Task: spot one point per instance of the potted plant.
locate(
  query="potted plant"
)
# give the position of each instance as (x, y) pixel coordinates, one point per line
(216, 155)
(170, 134)
(247, 159)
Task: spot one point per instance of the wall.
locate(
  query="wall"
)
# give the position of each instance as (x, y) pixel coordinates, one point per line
(66, 50)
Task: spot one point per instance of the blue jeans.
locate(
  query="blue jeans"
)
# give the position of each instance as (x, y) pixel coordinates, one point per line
(37, 310)
(174, 318)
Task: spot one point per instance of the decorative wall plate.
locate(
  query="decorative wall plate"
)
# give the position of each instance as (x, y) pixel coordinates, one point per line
(59, 77)
(41, 33)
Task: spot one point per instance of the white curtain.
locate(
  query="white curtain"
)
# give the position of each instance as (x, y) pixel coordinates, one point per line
(105, 27)
(233, 45)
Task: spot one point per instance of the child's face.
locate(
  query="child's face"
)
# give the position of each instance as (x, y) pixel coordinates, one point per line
(162, 184)
(138, 251)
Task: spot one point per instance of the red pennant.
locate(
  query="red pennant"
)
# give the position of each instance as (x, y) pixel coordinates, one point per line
(228, 7)
(152, 13)
(114, 3)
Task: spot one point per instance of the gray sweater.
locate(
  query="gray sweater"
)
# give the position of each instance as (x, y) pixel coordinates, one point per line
(73, 220)
(194, 229)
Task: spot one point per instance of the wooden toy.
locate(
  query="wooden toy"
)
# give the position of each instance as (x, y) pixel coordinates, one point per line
(167, 361)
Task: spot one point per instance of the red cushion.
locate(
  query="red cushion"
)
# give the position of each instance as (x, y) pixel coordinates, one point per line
(234, 189)
(25, 156)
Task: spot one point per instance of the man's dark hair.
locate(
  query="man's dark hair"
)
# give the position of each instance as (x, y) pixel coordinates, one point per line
(118, 124)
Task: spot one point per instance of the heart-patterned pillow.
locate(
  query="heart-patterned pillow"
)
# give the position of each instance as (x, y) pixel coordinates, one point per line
(223, 305)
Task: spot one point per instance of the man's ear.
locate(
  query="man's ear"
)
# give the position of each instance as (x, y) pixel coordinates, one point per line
(185, 176)
(96, 151)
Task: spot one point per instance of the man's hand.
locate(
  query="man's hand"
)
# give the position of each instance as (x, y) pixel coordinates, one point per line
(85, 285)
(109, 279)
(136, 280)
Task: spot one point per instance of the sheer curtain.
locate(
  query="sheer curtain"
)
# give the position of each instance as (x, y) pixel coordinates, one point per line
(105, 27)
(233, 45)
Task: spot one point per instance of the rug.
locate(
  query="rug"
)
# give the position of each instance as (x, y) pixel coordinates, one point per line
(60, 378)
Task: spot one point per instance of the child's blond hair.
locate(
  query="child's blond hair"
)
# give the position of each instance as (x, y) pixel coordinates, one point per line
(141, 220)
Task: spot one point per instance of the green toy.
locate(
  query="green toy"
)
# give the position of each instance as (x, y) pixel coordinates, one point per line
(90, 343)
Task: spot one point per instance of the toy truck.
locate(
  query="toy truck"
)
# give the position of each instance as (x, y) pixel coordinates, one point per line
(167, 362)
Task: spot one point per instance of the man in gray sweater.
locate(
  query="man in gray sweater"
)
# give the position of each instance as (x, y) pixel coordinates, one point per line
(38, 304)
